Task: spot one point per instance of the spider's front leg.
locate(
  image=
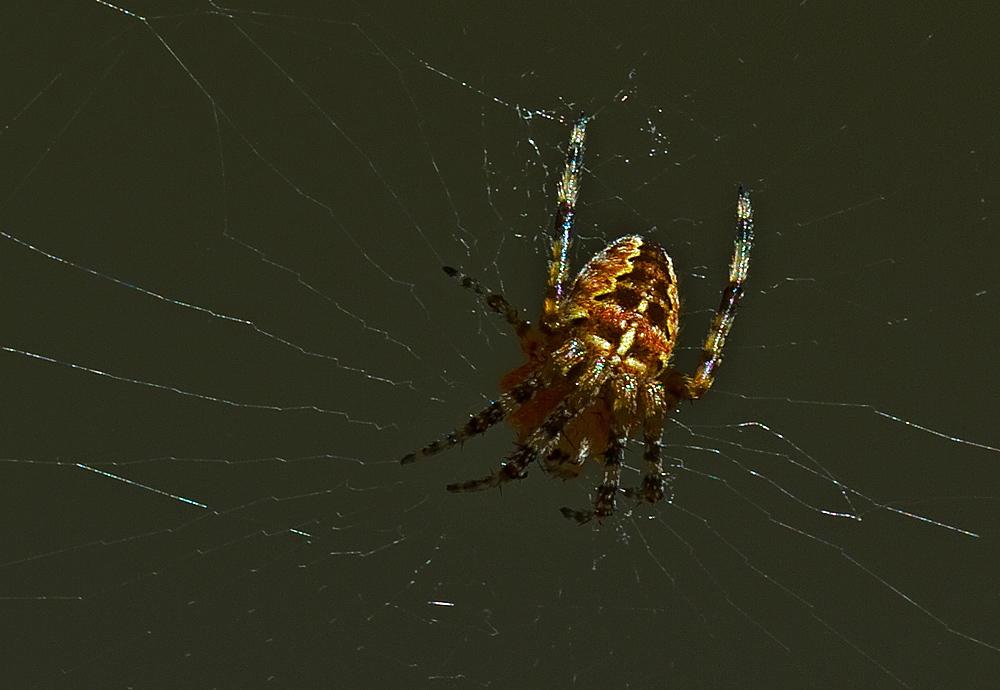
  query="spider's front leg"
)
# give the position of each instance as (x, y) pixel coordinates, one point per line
(739, 266)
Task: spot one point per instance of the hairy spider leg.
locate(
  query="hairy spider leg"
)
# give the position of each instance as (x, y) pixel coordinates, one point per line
(493, 300)
(711, 354)
(654, 479)
(494, 413)
(539, 442)
(516, 467)
(604, 504)
(567, 189)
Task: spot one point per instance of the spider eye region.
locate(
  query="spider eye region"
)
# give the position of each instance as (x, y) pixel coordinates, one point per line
(629, 293)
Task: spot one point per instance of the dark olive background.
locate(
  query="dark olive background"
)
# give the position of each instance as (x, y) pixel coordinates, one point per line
(310, 169)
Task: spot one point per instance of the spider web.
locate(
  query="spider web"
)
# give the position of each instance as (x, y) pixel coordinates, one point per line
(224, 321)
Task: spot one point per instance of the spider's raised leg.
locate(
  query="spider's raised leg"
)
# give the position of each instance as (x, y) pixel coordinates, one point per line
(496, 412)
(604, 504)
(567, 189)
(711, 354)
(493, 300)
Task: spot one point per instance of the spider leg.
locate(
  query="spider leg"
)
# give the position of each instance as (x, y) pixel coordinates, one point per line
(515, 468)
(543, 438)
(494, 413)
(539, 442)
(560, 463)
(604, 504)
(739, 266)
(493, 300)
(567, 189)
(654, 479)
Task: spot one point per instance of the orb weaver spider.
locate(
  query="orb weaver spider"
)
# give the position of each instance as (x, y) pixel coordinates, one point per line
(598, 361)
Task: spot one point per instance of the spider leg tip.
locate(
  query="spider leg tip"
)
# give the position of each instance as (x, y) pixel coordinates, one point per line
(582, 517)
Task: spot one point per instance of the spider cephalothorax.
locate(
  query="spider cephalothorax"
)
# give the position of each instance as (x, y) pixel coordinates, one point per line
(598, 370)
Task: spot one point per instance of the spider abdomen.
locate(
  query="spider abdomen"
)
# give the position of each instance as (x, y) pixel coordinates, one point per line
(626, 296)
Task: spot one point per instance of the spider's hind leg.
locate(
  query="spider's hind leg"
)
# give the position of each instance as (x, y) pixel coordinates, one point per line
(711, 354)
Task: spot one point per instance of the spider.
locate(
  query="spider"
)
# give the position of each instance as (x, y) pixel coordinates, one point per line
(598, 361)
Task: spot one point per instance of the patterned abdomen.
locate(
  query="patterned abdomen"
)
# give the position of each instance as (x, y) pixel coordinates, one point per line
(627, 296)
